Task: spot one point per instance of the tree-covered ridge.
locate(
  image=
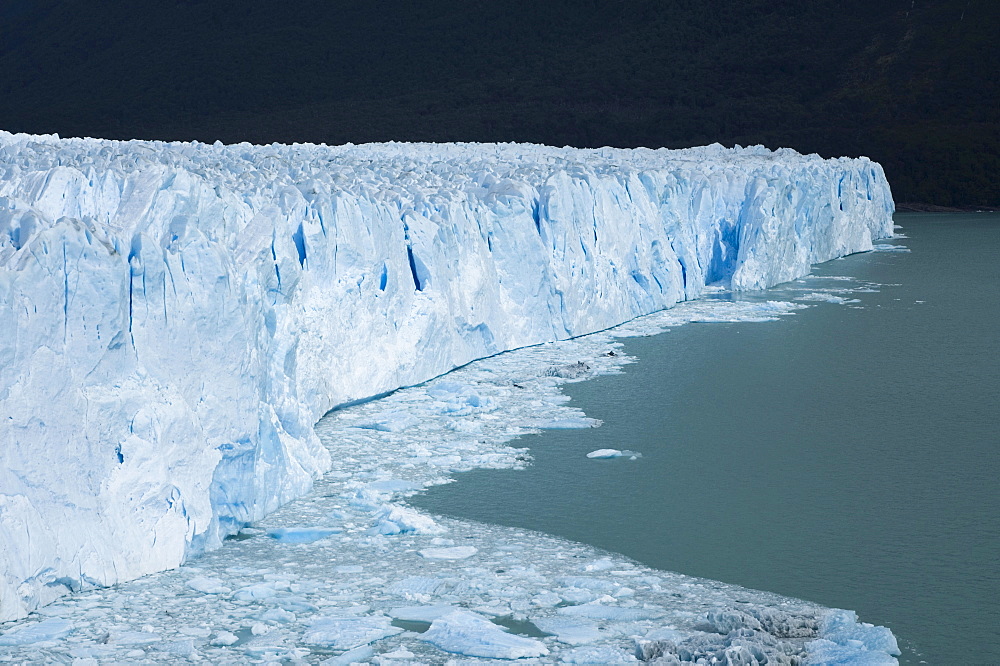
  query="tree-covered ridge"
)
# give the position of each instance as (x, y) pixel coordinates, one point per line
(910, 83)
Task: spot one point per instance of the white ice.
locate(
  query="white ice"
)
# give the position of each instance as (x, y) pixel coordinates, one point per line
(256, 599)
(177, 317)
(613, 453)
(46, 630)
(453, 553)
(473, 635)
(346, 633)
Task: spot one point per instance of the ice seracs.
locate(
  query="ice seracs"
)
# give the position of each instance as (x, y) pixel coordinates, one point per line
(177, 317)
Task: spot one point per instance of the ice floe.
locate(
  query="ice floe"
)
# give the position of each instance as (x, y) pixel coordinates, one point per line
(473, 635)
(614, 453)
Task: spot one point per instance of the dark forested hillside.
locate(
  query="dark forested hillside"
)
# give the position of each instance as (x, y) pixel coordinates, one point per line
(910, 83)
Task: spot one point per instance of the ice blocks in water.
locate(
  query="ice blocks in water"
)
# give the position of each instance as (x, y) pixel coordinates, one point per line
(302, 534)
(46, 630)
(470, 634)
(346, 633)
(449, 553)
(613, 453)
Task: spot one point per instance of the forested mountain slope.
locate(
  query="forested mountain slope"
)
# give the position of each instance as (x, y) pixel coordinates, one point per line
(910, 83)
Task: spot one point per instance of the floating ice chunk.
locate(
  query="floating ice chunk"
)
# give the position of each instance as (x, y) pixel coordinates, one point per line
(278, 615)
(886, 247)
(90, 655)
(132, 637)
(396, 421)
(421, 613)
(357, 655)
(398, 653)
(47, 630)
(855, 653)
(345, 633)
(614, 453)
(254, 592)
(602, 564)
(546, 599)
(302, 534)
(577, 595)
(597, 654)
(459, 400)
(404, 520)
(664, 634)
(181, 648)
(453, 553)
(349, 568)
(587, 583)
(425, 586)
(826, 298)
(605, 453)
(611, 613)
(367, 499)
(467, 633)
(208, 585)
(570, 631)
(294, 604)
(570, 371)
(224, 639)
(393, 486)
(570, 423)
(842, 626)
(200, 632)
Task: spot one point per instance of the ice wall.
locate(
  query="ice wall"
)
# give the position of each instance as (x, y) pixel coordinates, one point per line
(174, 318)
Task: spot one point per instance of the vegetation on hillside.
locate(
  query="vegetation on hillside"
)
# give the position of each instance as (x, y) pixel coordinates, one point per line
(912, 84)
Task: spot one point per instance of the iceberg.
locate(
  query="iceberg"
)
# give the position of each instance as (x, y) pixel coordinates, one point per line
(177, 316)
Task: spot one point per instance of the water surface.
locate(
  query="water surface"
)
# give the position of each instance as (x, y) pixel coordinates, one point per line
(845, 455)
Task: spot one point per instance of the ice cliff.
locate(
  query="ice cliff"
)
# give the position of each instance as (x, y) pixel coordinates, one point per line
(174, 318)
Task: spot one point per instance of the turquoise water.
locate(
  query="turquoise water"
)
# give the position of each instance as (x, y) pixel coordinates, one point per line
(846, 456)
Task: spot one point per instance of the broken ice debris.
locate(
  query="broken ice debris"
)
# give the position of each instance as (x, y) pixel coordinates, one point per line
(469, 634)
(453, 553)
(346, 633)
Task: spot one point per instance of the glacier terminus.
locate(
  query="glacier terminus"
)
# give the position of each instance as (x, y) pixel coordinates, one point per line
(177, 317)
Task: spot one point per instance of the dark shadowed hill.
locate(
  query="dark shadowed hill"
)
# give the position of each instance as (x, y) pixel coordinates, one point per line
(910, 83)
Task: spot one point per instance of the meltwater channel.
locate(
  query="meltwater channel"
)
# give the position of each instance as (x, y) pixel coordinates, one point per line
(847, 455)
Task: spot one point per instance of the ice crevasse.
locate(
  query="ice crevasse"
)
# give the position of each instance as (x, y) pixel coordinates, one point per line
(175, 317)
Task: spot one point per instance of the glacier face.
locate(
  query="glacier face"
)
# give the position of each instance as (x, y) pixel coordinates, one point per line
(176, 317)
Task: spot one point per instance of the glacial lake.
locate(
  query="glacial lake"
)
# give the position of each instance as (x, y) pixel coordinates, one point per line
(847, 454)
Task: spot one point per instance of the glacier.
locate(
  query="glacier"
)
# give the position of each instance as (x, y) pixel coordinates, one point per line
(178, 316)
